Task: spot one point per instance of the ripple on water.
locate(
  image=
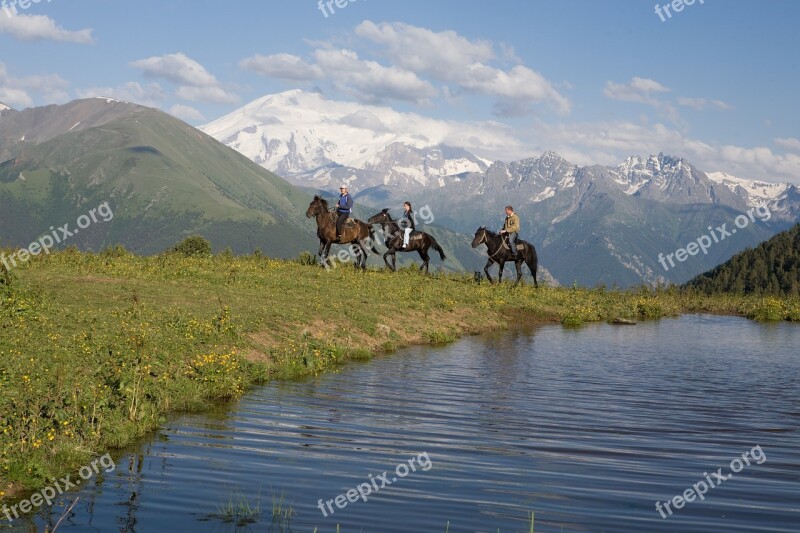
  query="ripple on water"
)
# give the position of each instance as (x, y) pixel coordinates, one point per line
(587, 428)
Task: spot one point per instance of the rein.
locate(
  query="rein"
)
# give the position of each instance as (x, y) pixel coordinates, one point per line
(499, 249)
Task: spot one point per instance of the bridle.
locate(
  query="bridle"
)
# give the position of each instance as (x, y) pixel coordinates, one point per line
(484, 240)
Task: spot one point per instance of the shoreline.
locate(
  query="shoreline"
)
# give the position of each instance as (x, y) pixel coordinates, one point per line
(108, 345)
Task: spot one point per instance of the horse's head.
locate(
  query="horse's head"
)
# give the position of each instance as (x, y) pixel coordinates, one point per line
(317, 206)
(381, 218)
(480, 237)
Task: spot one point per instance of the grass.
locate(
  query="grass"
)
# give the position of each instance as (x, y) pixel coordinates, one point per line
(238, 510)
(97, 349)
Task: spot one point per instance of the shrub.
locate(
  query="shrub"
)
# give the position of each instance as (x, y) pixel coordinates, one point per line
(307, 259)
(6, 279)
(192, 246)
(114, 251)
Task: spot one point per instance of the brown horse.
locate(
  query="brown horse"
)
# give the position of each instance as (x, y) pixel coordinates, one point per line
(359, 234)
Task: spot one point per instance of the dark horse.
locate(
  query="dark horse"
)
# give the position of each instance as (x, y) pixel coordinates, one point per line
(358, 233)
(419, 241)
(499, 253)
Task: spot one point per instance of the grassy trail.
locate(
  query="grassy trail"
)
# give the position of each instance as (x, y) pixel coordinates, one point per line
(96, 349)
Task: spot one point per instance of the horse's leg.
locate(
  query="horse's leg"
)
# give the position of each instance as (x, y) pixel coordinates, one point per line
(363, 256)
(533, 263)
(326, 253)
(425, 259)
(321, 249)
(486, 270)
(518, 264)
(502, 264)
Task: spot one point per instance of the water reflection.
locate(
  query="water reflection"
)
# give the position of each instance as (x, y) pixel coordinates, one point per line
(587, 428)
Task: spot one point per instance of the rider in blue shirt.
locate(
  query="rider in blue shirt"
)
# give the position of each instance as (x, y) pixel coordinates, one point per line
(344, 206)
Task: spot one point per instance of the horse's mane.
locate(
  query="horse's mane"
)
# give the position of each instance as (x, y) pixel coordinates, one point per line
(385, 211)
(323, 201)
(489, 232)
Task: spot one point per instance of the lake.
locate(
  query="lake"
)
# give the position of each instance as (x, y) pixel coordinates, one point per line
(587, 428)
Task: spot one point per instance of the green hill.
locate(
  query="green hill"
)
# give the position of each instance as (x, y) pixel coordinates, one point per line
(162, 178)
(773, 267)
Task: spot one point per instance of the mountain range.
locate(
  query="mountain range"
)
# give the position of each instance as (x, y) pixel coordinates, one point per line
(162, 179)
(165, 180)
(592, 224)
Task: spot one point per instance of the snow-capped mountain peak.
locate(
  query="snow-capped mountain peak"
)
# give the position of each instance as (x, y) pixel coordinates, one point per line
(295, 132)
(4, 108)
(307, 138)
(754, 192)
(316, 142)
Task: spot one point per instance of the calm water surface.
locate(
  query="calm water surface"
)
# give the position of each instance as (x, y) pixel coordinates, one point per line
(586, 428)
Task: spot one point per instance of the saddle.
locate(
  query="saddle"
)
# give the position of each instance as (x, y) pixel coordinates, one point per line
(520, 245)
(349, 223)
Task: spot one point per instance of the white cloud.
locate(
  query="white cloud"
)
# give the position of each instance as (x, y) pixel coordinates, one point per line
(281, 66)
(644, 91)
(416, 56)
(185, 112)
(194, 81)
(518, 85)
(699, 104)
(443, 55)
(215, 95)
(177, 68)
(610, 142)
(789, 143)
(638, 90)
(20, 92)
(365, 120)
(41, 28)
(449, 57)
(15, 97)
(370, 81)
(151, 95)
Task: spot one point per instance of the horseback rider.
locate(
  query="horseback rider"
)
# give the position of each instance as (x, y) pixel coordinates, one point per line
(510, 231)
(344, 206)
(406, 223)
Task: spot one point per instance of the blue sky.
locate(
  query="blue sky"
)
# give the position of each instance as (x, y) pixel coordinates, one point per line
(595, 81)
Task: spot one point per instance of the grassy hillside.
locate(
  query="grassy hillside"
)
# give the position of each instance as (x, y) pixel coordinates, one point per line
(773, 267)
(96, 349)
(163, 180)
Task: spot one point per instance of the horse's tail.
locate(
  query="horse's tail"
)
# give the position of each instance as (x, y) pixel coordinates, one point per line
(532, 260)
(372, 240)
(437, 248)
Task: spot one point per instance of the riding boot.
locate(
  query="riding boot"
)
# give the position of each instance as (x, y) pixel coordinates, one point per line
(512, 247)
